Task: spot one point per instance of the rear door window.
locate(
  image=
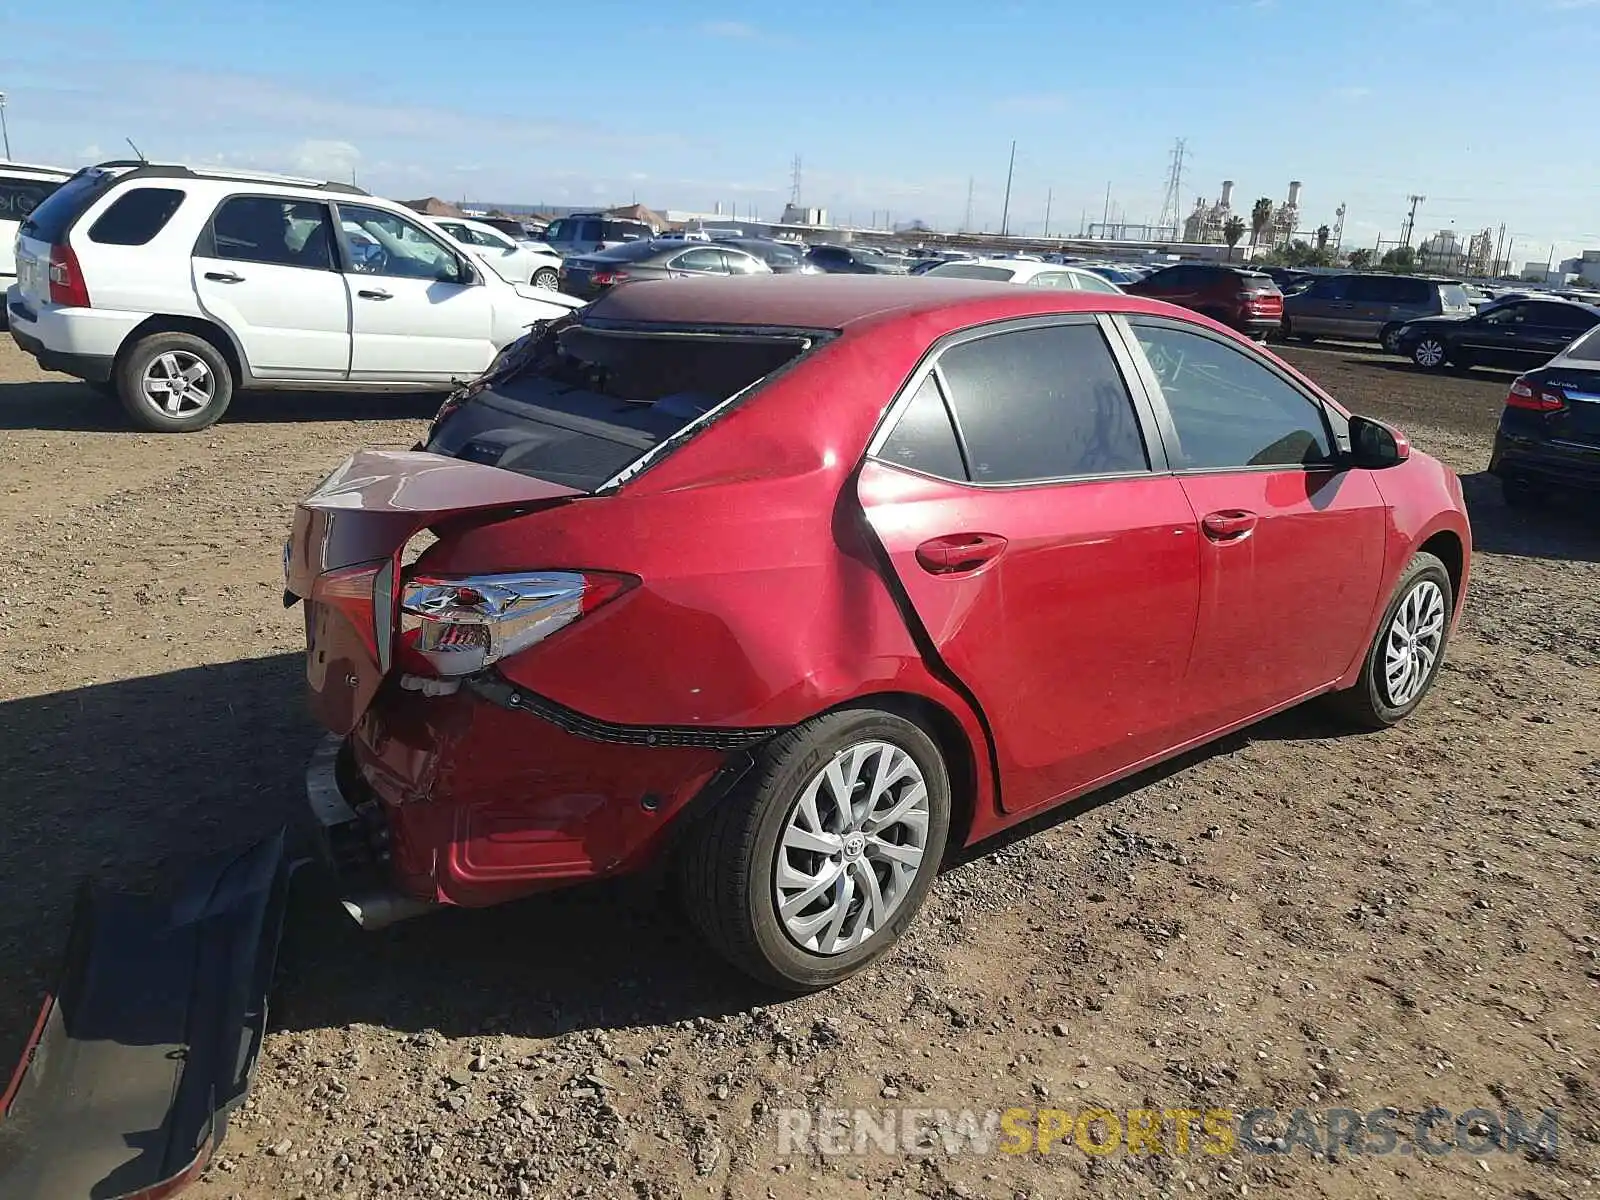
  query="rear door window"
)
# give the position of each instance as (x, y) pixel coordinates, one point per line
(1374, 289)
(136, 216)
(267, 229)
(923, 438)
(1041, 404)
(703, 260)
(588, 404)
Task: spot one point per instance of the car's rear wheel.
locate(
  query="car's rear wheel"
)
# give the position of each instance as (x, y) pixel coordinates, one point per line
(1389, 337)
(546, 277)
(822, 857)
(174, 383)
(1521, 493)
(1408, 649)
(1430, 354)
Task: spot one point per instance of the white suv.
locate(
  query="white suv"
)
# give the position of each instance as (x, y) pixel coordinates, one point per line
(22, 189)
(175, 286)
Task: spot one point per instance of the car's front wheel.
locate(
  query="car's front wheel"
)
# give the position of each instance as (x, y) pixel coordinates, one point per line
(546, 277)
(174, 383)
(1430, 354)
(822, 857)
(1389, 338)
(1408, 649)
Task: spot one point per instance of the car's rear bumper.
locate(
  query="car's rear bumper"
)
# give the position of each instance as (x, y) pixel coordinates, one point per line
(82, 342)
(461, 800)
(1564, 463)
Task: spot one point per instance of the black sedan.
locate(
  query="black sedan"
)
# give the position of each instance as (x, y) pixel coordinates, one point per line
(1516, 336)
(851, 260)
(1550, 430)
(589, 275)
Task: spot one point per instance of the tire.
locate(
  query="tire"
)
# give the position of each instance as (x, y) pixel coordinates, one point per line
(1521, 493)
(142, 371)
(1430, 354)
(728, 869)
(546, 277)
(1371, 702)
(1389, 337)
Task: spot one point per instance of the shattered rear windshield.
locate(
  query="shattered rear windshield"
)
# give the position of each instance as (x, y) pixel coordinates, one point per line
(589, 403)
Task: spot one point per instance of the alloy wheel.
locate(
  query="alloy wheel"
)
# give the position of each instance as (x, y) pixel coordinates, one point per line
(1412, 644)
(1391, 339)
(1429, 353)
(851, 848)
(178, 383)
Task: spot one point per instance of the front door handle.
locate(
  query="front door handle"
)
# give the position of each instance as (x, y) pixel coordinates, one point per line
(375, 294)
(224, 277)
(956, 553)
(1230, 525)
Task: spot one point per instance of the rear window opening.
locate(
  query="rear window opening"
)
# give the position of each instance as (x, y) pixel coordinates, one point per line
(591, 403)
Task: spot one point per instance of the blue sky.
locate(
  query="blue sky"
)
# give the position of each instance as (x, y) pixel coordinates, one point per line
(1487, 107)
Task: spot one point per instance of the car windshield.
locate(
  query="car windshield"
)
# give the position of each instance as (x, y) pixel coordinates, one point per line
(973, 271)
(583, 405)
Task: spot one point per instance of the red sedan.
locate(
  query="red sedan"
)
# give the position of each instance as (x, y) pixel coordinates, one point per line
(790, 583)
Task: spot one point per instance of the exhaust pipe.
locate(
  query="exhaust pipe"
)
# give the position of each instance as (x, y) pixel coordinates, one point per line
(379, 910)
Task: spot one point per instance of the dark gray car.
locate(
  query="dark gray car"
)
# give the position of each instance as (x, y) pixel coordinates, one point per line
(1370, 308)
(785, 258)
(589, 275)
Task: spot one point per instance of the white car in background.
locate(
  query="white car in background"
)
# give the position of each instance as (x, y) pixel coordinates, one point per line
(1022, 271)
(22, 189)
(514, 261)
(174, 287)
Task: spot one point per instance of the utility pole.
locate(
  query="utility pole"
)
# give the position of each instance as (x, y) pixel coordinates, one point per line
(966, 226)
(1005, 210)
(5, 134)
(1500, 244)
(1411, 218)
(1105, 218)
(1049, 195)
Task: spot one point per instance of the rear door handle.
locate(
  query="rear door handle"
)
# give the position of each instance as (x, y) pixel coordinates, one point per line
(956, 553)
(375, 294)
(1230, 525)
(224, 277)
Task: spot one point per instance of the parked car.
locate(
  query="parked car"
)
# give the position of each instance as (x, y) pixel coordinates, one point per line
(789, 584)
(1033, 273)
(513, 261)
(1549, 432)
(1516, 336)
(514, 229)
(1239, 298)
(851, 260)
(586, 233)
(175, 286)
(1370, 308)
(1120, 275)
(785, 258)
(590, 275)
(22, 189)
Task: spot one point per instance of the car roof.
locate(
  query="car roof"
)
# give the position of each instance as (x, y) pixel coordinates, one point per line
(33, 170)
(842, 301)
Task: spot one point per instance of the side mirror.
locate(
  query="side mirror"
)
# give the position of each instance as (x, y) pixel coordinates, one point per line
(1374, 445)
(458, 271)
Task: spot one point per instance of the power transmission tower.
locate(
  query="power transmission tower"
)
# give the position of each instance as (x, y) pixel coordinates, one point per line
(794, 184)
(1411, 219)
(1172, 199)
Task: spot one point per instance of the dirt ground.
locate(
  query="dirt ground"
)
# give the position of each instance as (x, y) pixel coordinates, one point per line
(1296, 917)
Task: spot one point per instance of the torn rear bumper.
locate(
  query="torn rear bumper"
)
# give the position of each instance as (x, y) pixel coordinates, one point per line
(151, 1039)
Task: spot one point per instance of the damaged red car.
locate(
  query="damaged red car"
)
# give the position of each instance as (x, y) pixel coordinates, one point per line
(791, 584)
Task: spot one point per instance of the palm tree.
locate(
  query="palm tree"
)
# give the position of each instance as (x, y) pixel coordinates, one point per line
(1260, 218)
(1232, 232)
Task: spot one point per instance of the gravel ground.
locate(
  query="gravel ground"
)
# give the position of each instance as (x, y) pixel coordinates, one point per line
(1292, 918)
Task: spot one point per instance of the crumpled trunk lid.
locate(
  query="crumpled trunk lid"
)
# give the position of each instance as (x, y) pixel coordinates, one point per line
(342, 558)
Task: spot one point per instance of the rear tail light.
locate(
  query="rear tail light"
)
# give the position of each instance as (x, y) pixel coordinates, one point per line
(604, 277)
(67, 287)
(460, 625)
(364, 594)
(1535, 398)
